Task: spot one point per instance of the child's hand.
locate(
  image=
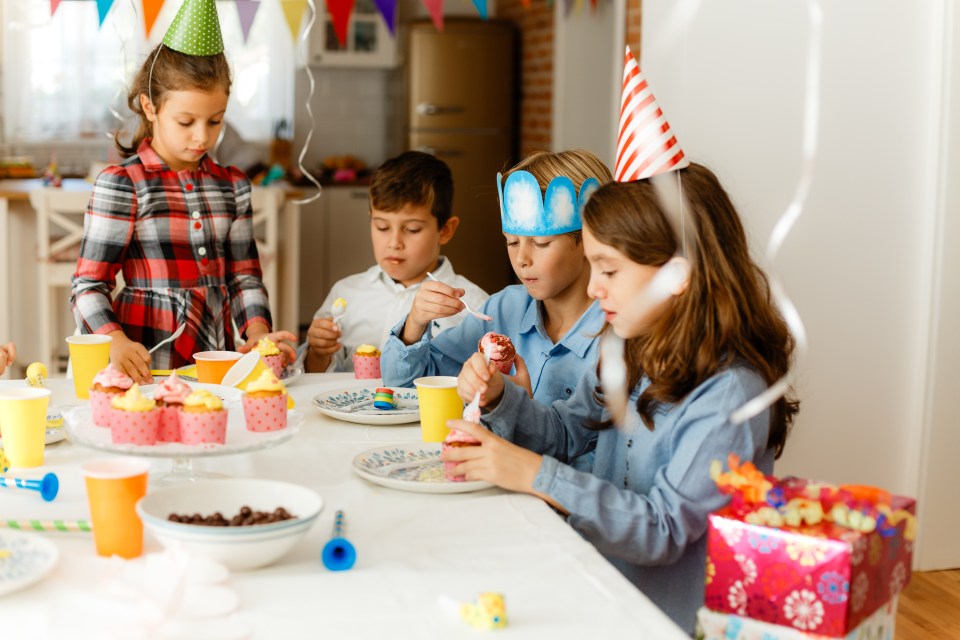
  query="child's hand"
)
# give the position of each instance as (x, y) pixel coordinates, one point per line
(8, 353)
(476, 374)
(434, 300)
(131, 357)
(494, 460)
(257, 331)
(522, 377)
(323, 341)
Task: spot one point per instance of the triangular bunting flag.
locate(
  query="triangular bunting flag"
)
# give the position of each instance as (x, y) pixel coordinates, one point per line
(195, 30)
(435, 7)
(388, 9)
(103, 8)
(246, 11)
(151, 9)
(293, 12)
(53, 6)
(481, 6)
(646, 145)
(340, 12)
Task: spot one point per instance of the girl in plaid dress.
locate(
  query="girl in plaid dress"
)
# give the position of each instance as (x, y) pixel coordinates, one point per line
(177, 225)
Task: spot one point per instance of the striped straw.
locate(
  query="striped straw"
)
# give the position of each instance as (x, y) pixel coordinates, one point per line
(64, 526)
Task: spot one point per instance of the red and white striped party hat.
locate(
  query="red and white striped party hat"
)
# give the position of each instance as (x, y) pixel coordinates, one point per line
(646, 145)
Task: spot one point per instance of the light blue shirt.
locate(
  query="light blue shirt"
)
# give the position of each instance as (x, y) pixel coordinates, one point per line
(555, 368)
(645, 501)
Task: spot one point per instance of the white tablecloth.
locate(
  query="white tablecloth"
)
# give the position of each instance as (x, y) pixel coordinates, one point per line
(412, 548)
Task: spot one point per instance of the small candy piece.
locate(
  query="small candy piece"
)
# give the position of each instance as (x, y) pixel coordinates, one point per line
(36, 374)
(489, 612)
(383, 399)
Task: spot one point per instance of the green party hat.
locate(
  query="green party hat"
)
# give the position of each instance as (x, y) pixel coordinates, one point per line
(196, 29)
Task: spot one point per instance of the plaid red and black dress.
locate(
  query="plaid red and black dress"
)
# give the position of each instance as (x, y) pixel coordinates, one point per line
(184, 242)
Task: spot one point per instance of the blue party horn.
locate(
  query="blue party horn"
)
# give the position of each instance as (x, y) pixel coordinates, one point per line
(48, 487)
(338, 554)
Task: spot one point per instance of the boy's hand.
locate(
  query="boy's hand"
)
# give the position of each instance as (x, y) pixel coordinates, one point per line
(476, 374)
(8, 353)
(131, 357)
(323, 341)
(434, 300)
(257, 331)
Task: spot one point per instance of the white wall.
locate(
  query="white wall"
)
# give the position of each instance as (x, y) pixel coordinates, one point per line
(860, 262)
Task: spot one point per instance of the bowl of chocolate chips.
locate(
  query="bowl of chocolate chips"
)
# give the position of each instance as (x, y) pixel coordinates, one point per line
(241, 523)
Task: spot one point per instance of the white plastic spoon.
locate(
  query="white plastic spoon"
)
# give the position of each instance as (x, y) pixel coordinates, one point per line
(465, 305)
(173, 336)
(471, 412)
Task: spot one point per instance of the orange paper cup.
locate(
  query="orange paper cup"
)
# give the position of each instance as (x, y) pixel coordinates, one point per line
(213, 365)
(113, 488)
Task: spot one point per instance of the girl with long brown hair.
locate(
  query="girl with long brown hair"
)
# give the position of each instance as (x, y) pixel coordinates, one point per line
(716, 342)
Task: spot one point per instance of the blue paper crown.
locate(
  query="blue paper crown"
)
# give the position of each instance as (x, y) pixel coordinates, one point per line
(524, 211)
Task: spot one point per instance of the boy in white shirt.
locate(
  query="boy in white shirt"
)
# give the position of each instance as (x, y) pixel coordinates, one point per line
(411, 198)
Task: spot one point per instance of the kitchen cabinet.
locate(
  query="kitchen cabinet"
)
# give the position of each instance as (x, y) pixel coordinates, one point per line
(369, 41)
(335, 243)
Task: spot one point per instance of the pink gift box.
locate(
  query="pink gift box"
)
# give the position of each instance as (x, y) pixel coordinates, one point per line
(199, 427)
(134, 427)
(822, 579)
(712, 625)
(265, 414)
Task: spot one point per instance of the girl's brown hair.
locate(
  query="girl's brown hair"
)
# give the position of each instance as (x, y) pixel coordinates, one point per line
(172, 71)
(726, 314)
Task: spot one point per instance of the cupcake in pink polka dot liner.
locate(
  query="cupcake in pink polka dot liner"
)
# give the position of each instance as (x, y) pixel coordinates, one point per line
(203, 419)
(265, 404)
(134, 418)
(107, 384)
(366, 362)
(270, 353)
(169, 396)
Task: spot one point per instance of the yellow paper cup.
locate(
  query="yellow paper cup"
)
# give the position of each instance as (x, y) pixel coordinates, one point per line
(213, 365)
(89, 354)
(23, 424)
(246, 370)
(114, 485)
(439, 402)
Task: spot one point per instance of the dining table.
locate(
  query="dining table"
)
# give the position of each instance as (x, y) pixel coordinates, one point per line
(416, 552)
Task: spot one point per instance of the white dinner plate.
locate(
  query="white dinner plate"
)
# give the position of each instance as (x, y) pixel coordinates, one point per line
(24, 559)
(356, 405)
(81, 429)
(290, 374)
(410, 467)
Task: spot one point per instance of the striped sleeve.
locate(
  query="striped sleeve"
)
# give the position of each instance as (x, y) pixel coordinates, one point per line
(107, 229)
(248, 296)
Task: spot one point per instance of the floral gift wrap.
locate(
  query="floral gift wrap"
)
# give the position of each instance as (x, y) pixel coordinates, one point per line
(814, 557)
(726, 626)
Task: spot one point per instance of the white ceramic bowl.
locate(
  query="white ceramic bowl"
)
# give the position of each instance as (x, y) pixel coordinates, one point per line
(239, 548)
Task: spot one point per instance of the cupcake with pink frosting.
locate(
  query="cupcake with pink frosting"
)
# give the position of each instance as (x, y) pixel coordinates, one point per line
(169, 396)
(265, 404)
(203, 419)
(500, 349)
(109, 382)
(454, 440)
(134, 419)
(270, 353)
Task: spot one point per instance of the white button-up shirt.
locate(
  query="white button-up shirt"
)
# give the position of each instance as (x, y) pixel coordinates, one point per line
(375, 303)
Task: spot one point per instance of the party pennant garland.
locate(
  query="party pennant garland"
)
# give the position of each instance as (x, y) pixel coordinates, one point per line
(388, 9)
(435, 7)
(151, 9)
(53, 6)
(103, 8)
(340, 12)
(481, 6)
(646, 145)
(293, 12)
(246, 11)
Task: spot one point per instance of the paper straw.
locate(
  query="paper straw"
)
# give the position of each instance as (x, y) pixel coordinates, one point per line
(64, 526)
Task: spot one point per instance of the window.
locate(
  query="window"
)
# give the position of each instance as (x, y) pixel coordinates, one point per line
(63, 77)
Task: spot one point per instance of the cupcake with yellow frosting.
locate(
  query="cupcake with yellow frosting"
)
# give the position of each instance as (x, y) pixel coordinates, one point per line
(134, 418)
(265, 404)
(366, 362)
(270, 353)
(203, 419)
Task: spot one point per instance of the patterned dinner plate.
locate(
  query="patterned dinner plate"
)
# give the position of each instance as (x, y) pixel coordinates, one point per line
(289, 375)
(410, 467)
(356, 405)
(24, 559)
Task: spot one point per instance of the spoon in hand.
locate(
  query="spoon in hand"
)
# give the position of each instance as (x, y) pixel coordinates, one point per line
(471, 412)
(173, 336)
(465, 305)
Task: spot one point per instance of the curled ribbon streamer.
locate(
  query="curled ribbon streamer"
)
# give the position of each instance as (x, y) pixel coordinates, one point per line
(811, 120)
(122, 89)
(306, 143)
